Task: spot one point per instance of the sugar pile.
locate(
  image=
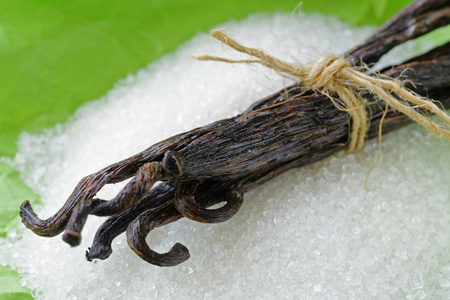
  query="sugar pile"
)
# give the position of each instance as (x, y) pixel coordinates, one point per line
(312, 233)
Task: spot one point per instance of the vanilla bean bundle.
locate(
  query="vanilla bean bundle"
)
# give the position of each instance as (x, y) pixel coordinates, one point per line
(221, 161)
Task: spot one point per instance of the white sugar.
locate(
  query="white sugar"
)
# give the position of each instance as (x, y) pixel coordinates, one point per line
(312, 233)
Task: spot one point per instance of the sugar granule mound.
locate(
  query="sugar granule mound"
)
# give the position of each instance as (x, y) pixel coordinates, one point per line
(312, 233)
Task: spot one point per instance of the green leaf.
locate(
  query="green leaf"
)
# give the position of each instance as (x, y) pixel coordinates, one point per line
(10, 287)
(372, 12)
(13, 191)
(439, 36)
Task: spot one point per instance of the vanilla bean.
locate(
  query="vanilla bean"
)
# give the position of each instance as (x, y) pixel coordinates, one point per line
(415, 20)
(422, 69)
(221, 161)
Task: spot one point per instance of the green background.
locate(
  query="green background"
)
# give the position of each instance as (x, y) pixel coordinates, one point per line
(55, 55)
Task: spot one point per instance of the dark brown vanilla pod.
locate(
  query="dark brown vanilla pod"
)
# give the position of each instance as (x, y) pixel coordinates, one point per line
(221, 161)
(418, 18)
(117, 224)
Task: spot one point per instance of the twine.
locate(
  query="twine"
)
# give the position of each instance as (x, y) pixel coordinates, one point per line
(331, 74)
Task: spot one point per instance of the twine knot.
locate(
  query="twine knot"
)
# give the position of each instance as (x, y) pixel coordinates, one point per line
(331, 74)
(323, 73)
